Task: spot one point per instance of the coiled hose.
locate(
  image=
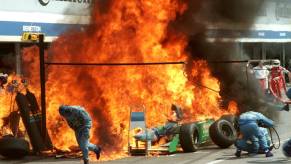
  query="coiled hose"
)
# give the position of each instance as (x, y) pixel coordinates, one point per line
(271, 135)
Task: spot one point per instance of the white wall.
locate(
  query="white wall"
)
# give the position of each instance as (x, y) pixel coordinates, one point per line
(56, 11)
(52, 17)
(53, 6)
(275, 15)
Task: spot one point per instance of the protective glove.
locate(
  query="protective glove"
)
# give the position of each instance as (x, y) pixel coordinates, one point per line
(261, 124)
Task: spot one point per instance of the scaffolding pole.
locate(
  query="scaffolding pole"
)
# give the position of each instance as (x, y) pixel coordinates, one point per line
(42, 85)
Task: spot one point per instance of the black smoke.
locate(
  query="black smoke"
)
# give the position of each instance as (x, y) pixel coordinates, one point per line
(236, 83)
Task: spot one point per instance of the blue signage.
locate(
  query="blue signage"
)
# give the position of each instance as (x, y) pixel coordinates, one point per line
(8, 28)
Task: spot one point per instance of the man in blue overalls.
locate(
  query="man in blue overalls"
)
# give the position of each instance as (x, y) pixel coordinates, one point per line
(253, 137)
(80, 121)
(249, 147)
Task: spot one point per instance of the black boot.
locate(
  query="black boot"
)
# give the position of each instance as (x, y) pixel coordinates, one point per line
(269, 154)
(86, 161)
(237, 153)
(97, 151)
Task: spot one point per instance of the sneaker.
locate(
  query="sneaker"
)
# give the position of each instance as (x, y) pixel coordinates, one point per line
(237, 153)
(269, 154)
(97, 151)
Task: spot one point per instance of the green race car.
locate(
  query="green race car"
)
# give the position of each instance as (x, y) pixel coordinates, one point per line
(188, 137)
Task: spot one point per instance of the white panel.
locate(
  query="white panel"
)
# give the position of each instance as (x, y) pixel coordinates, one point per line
(72, 7)
(43, 17)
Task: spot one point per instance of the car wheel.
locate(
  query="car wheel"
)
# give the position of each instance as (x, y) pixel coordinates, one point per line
(222, 133)
(232, 119)
(13, 148)
(189, 137)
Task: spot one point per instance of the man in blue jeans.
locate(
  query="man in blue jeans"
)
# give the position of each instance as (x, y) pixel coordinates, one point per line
(249, 125)
(80, 121)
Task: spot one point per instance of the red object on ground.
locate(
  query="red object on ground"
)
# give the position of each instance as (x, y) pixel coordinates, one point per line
(278, 84)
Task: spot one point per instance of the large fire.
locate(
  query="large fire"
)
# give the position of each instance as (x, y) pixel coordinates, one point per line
(128, 31)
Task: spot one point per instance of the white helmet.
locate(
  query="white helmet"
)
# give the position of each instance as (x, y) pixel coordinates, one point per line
(276, 62)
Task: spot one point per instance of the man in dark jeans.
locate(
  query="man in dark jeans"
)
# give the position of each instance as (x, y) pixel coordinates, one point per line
(80, 121)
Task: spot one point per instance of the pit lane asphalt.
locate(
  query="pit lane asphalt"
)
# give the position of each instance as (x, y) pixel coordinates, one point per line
(214, 155)
(206, 155)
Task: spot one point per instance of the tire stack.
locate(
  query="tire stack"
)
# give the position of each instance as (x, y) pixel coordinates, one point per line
(13, 148)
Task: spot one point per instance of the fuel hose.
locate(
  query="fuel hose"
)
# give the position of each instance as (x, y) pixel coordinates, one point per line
(271, 135)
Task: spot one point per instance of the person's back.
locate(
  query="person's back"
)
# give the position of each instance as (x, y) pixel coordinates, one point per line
(78, 117)
(247, 117)
(254, 117)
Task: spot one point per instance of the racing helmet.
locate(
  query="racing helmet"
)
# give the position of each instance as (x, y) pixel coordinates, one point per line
(178, 111)
(286, 148)
(276, 62)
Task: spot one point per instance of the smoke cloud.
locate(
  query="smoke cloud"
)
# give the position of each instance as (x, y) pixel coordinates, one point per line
(236, 83)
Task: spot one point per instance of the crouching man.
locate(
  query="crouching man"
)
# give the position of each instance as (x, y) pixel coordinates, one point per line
(254, 137)
(251, 148)
(80, 121)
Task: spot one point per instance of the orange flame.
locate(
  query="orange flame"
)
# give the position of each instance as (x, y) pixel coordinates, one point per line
(129, 31)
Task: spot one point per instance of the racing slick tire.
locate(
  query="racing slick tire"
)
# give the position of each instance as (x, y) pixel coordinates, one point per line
(13, 148)
(189, 137)
(222, 133)
(232, 119)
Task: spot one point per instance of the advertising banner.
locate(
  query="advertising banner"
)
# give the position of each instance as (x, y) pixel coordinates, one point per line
(51, 17)
(65, 7)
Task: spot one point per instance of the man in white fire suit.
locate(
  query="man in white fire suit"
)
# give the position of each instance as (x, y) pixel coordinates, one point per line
(80, 121)
(261, 73)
